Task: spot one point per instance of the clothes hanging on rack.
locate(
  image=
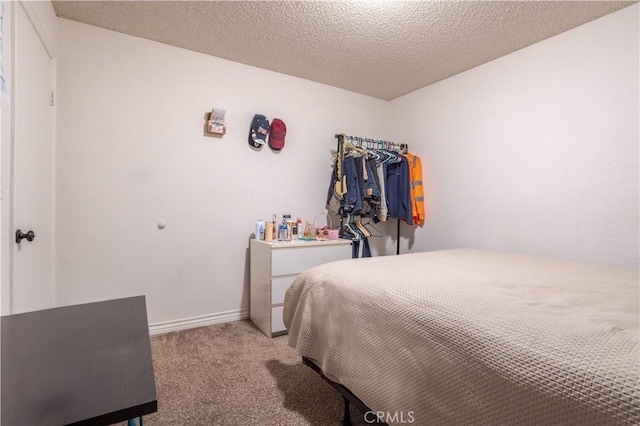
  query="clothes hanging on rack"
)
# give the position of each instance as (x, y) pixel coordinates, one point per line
(355, 248)
(352, 202)
(417, 191)
(379, 181)
(399, 191)
(383, 212)
(364, 188)
(358, 232)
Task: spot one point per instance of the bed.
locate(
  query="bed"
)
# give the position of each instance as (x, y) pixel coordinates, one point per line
(470, 337)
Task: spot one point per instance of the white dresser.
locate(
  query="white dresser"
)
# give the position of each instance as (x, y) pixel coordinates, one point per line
(274, 266)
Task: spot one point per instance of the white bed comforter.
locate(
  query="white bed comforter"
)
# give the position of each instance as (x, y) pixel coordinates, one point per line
(472, 337)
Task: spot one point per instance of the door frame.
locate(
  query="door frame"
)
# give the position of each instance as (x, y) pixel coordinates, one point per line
(47, 35)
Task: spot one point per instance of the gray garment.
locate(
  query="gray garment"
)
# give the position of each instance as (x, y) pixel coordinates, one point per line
(382, 212)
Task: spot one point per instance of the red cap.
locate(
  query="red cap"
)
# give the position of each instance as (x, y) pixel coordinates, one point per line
(277, 133)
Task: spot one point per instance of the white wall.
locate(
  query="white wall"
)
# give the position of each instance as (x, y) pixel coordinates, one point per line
(535, 152)
(131, 153)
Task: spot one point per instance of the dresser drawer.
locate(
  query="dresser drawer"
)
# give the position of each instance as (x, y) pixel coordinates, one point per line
(279, 286)
(277, 323)
(287, 261)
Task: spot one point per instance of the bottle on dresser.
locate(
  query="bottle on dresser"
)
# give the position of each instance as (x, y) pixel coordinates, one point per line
(260, 230)
(299, 228)
(282, 232)
(274, 228)
(289, 224)
(282, 229)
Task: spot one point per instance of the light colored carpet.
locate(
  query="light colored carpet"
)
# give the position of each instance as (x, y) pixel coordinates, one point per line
(232, 374)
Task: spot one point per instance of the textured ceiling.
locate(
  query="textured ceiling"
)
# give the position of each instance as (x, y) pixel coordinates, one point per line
(384, 49)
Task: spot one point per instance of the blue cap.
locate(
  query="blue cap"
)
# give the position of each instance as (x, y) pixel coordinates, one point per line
(259, 131)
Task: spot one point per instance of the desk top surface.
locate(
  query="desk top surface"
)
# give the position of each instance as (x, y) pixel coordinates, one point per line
(88, 363)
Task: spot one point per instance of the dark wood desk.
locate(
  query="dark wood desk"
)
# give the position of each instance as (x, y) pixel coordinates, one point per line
(85, 364)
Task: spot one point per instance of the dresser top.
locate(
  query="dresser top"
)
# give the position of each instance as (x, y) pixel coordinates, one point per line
(301, 243)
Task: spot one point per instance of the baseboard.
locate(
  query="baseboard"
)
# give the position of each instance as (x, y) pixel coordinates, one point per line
(199, 321)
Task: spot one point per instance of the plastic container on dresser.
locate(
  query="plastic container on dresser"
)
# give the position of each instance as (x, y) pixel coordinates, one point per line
(275, 265)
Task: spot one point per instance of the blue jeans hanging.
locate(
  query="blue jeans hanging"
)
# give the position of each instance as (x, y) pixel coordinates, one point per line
(352, 201)
(355, 248)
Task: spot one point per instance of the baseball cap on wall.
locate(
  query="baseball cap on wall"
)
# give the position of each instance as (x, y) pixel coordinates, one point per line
(277, 133)
(259, 131)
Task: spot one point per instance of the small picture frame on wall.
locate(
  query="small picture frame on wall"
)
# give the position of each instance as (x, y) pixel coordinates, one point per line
(216, 124)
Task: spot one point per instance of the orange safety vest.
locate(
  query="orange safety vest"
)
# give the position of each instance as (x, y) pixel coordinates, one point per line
(417, 191)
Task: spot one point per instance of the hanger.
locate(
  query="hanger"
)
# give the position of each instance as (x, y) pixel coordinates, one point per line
(397, 154)
(365, 232)
(353, 147)
(375, 232)
(347, 228)
(390, 156)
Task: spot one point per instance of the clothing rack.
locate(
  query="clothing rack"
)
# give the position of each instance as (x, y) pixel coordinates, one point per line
(373, 144)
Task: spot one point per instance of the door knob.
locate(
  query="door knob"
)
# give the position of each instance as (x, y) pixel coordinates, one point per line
(21, 235)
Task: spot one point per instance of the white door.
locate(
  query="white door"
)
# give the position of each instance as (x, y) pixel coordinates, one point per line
(31, 181)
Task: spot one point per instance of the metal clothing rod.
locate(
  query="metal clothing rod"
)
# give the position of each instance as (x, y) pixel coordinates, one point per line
(373, 143)
(398, 238)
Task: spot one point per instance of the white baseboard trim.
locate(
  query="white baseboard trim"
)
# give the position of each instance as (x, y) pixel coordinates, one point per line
(199, 321)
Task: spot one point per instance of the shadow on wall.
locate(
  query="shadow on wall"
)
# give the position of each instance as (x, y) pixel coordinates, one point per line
(246, 275)
(306, 393)
(409, 233)
(388, 243)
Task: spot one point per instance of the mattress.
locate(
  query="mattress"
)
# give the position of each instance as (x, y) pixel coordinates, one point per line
(470, 337)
